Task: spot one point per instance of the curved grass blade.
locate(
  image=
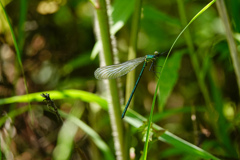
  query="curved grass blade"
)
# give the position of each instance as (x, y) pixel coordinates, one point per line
(145, 151)
(136, 120)
(117, 70)
(16, 48)
(62, 94)
(93, 135)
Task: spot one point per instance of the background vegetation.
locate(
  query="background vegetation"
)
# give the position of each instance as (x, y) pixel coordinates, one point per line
(53, 46)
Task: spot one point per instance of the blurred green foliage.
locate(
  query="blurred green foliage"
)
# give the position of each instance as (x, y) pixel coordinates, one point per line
(56, 40)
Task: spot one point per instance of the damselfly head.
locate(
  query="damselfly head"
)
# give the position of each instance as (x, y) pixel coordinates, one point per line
(156, 53)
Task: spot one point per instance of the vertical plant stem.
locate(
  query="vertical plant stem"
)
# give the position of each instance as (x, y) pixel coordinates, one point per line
(132, 50)
(193, 57)
(195, 64)
(14, 39)
(156, 91)
(114, 106)
(22, 19)
(200, 77)
(230, 40)
(17, 51)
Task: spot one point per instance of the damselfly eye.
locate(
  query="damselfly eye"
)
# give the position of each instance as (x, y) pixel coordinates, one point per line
(156, 53)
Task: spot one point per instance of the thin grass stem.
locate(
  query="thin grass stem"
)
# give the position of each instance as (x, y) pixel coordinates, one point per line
(132, 52)
(230, 40)
(17, 50)
(158, 83)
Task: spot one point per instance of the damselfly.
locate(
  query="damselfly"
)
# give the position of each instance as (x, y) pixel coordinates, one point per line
(118, 70)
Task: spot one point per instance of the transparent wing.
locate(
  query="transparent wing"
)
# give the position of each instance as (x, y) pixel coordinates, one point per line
(117, 70)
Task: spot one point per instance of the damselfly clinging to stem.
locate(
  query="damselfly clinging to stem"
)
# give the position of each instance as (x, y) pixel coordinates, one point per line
(118, 70)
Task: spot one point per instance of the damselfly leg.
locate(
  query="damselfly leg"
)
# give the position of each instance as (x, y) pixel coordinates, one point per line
(153, 68)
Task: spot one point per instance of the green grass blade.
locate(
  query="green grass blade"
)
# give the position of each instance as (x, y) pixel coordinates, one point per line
(14, 38)
(137, 121)
(155, 95)
(16, 48)
(91, 133)
(132, 117)
(78, 94)
(22, 19)
(230, 39)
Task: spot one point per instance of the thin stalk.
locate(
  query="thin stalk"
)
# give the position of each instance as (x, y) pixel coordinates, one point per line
(132, 52)
(193, 57)
(17, 51)
(158, 83)
(230, 40)
(114, 106)
(199, 73)
(22, 19)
